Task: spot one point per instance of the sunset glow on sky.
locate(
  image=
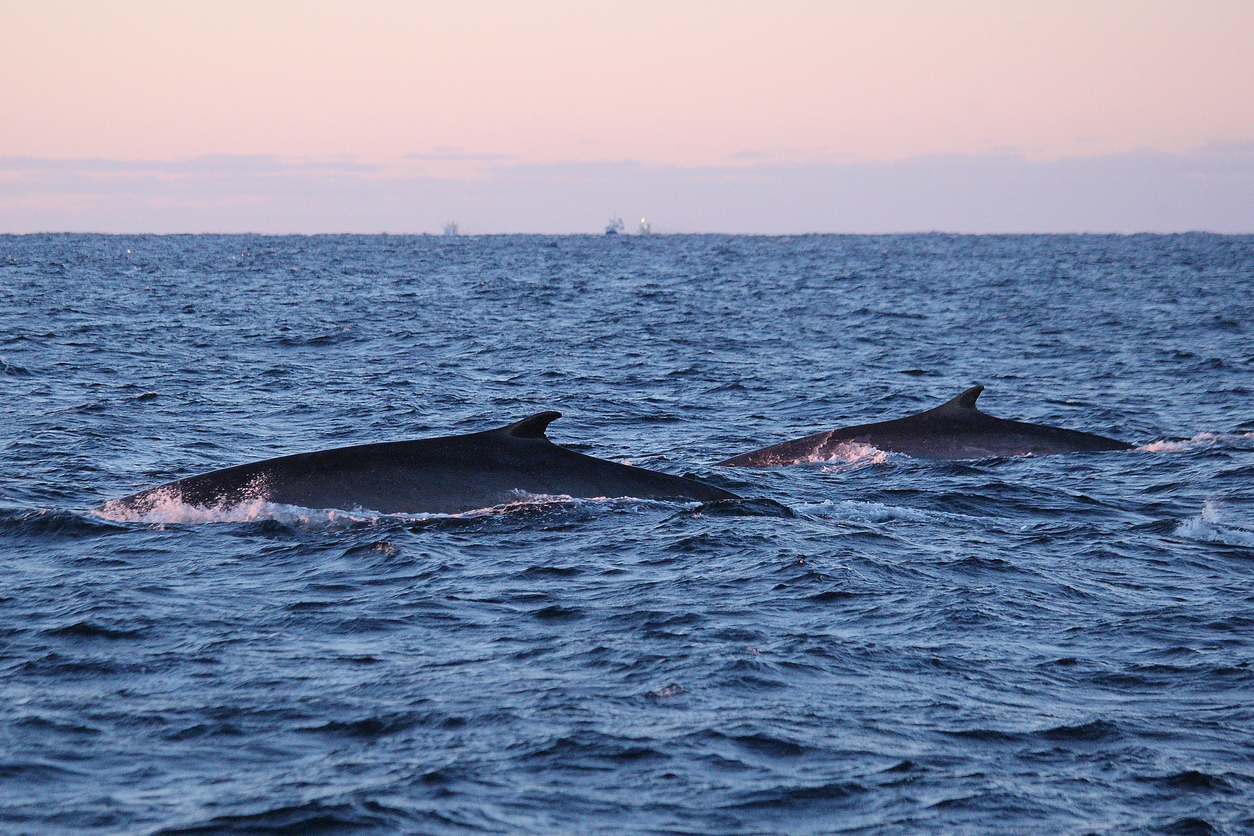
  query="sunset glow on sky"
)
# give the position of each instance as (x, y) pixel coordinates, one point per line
(463, 91)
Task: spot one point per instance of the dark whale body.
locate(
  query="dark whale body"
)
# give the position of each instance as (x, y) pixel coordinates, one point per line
(435, 475)
(954, 430)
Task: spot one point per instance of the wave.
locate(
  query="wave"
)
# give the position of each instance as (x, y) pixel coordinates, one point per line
(318, 816)
(876, 512)
(13, 369)
(1209, 527)
(59, 522)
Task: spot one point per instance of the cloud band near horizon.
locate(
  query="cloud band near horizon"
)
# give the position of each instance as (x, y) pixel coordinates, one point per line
(1210, 189)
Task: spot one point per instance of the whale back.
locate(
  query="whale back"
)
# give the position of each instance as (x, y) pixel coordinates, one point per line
(955, 430)
(449, 474)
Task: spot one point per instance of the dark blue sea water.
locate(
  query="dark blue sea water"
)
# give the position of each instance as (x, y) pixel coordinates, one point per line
(874, 645)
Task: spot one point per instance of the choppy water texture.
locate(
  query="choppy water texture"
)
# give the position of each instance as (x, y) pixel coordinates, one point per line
(1053, 645)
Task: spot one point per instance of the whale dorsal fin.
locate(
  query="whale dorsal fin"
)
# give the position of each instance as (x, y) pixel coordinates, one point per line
(966, 400)
(532, 427)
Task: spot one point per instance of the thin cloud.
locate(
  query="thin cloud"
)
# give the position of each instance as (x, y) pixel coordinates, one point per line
(460, 156)
(208, 164)
(1143, 191)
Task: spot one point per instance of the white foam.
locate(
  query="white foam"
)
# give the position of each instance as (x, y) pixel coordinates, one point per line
(168, 508)
(1208, 527)
(1197, 441)
(850, 455)
(1167, 446)
(873, 512)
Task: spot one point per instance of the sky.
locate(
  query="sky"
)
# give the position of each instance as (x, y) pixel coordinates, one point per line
(740, 117)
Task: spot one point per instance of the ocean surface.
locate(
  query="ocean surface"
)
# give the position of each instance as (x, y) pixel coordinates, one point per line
(873, 644)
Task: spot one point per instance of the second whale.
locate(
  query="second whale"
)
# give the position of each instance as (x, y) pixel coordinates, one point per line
(954, 430)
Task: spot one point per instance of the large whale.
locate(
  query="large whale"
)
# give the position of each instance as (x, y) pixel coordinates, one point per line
(434, 475)
(953, 430)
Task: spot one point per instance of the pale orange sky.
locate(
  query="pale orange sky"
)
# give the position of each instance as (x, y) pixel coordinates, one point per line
(704, 116)
(681, 83)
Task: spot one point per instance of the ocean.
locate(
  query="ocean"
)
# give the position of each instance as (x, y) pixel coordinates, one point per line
(873, 644)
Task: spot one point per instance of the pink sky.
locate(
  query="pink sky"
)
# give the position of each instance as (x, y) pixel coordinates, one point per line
(401, 94)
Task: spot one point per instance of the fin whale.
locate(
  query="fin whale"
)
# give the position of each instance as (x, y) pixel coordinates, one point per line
(446, 475)
(951, 431)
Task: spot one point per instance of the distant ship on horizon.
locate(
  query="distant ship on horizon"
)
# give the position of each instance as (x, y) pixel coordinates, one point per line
(615, 226)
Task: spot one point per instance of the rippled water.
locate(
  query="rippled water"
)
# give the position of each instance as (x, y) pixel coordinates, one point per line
(873, 644)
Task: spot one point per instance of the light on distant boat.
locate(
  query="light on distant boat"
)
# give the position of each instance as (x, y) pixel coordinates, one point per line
(645, 228)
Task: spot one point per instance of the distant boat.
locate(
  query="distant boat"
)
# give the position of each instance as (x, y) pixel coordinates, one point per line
(450, 229)
(645, 228)
(615, 225)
